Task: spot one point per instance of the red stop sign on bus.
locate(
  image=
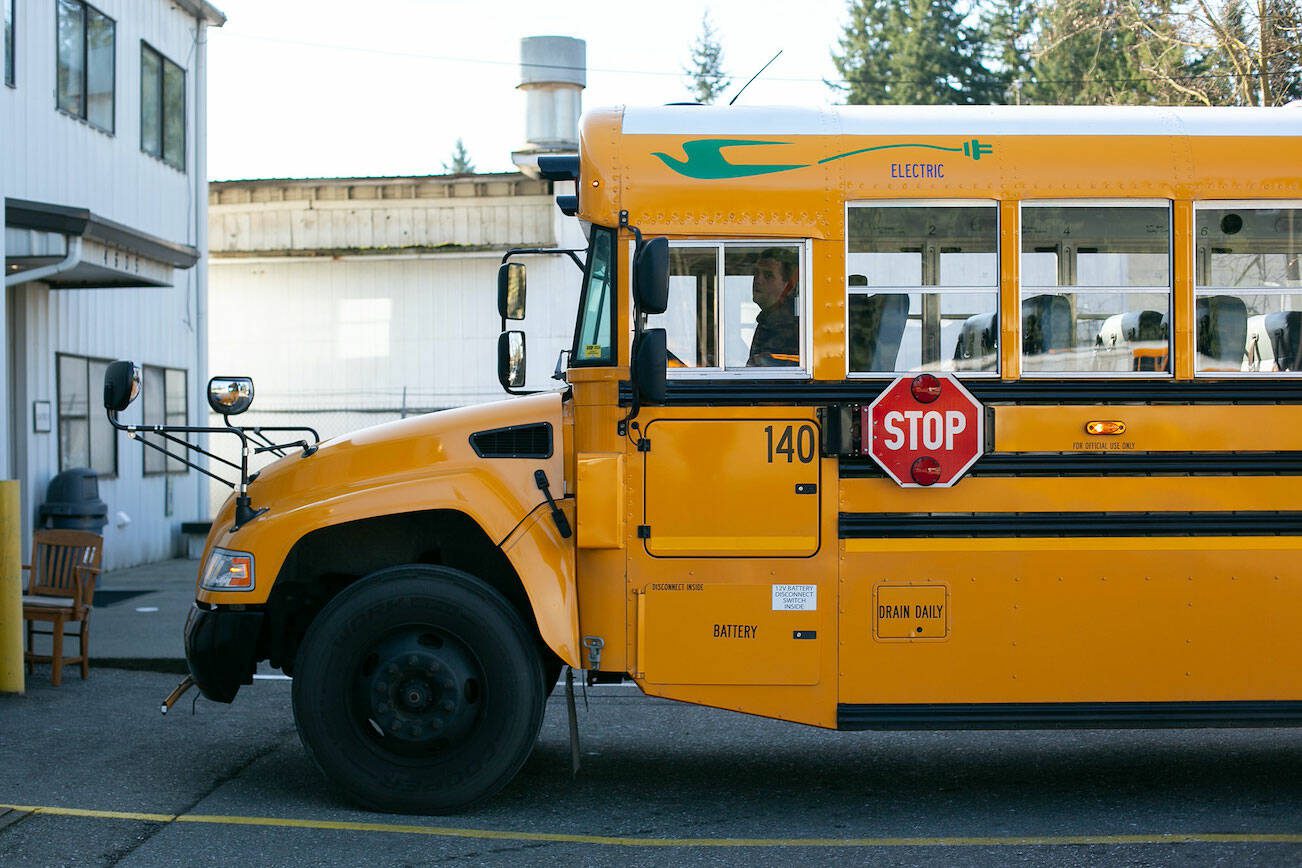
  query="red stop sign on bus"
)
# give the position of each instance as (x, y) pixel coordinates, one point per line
(925, 430)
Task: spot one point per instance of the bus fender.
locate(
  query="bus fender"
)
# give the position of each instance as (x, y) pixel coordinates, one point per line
(544, 561)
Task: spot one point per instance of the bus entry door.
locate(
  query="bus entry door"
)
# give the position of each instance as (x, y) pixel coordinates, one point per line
(731, 488)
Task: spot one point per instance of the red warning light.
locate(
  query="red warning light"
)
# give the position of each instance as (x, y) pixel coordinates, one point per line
(925, 388)
(925, 471)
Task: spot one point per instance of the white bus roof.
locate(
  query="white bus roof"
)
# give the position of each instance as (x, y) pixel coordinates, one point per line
(961, 120)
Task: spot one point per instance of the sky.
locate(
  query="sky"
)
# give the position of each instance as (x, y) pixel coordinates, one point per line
(326, 88)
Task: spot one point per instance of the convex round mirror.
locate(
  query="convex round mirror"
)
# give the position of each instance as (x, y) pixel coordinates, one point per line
(230, 396)
(511, 291)
(121, 386)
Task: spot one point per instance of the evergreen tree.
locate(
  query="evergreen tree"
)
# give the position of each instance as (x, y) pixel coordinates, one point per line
(707, 80)
(1009, 30)
(913, 52)
(460, 163)
(1087, 53)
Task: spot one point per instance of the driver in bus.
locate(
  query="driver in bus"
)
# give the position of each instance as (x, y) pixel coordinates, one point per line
(776, 342)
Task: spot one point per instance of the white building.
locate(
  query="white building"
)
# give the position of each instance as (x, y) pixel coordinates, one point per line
(368, 296)
(103, 174)
(353, 301)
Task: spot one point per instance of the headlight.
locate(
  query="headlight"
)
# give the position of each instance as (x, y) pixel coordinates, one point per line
(227, 571)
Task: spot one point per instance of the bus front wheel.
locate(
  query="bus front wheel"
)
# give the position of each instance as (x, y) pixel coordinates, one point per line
(418, 690)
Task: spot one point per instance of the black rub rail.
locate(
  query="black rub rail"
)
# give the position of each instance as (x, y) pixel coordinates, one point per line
(1023, 464)
(887, 525)
(1068, 715)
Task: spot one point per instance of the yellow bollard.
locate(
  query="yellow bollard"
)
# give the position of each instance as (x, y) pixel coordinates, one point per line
(11, 591)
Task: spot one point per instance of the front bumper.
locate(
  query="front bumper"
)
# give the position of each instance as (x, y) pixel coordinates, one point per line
(221, 648)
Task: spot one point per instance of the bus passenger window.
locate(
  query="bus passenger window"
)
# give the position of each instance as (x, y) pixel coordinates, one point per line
(919, 279)
(1096, 288)
(751, 319)
(1248, 293)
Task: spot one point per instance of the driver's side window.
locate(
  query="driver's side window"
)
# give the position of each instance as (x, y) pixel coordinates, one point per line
(734, 307)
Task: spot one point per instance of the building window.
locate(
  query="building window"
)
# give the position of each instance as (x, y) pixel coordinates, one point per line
(1248, 299)
(9, 42)
(162, 107)
(85, 69)
(922, 285)
(735, 307)
(163, 398)
(86, 439)
(1096, 288)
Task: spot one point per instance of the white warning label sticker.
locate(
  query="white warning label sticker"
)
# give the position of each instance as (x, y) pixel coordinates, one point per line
(795, 598)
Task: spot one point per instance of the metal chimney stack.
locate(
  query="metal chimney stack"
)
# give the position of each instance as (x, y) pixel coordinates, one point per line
(553, 73)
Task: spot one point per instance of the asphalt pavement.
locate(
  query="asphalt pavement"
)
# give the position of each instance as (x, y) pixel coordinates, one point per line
(92, 774)
(140, 622)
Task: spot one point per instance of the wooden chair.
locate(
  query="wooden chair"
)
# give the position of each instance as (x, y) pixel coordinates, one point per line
(60, 589)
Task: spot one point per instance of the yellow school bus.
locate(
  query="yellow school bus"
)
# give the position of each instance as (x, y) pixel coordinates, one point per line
(875, 418)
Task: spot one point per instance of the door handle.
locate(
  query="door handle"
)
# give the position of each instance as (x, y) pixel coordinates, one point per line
(806, 488)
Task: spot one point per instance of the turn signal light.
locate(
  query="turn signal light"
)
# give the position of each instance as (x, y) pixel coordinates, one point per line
(925, 388)
(925, 471)
(1104, 427)
(228, 571)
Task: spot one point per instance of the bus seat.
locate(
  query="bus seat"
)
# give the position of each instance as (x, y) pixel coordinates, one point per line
(977, 348)
(1046, 324)
(1285, 331)
(1222, 332)
(1143, 332)
(876, 330)
(1143, 325)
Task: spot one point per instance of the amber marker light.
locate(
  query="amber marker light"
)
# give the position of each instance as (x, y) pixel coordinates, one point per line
(241, 574)
(925, 388)
(1105, 427)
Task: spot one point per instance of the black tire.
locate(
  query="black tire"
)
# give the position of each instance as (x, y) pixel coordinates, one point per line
(418, 690)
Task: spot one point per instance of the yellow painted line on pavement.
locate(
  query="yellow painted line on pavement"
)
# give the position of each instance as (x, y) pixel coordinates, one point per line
(97, 815)
(614, 841)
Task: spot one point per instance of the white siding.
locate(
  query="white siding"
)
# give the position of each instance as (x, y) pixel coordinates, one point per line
(147, 325)
(50, 157)
(284, 322)
(329, 226)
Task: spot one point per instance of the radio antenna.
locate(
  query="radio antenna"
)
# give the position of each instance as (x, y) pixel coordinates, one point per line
(755, 76)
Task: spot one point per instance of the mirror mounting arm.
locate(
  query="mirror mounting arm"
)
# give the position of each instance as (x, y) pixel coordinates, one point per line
(624, 224)
(647, 355)
(572, 253)
(134, 432)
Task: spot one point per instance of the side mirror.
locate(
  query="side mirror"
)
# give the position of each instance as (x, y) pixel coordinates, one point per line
(650, 366)
(511, 290)
(511, 360)
(230, 396)
(651, 276)
(121, 386)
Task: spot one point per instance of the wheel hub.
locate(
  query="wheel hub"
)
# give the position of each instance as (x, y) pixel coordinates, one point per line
(418, 691)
